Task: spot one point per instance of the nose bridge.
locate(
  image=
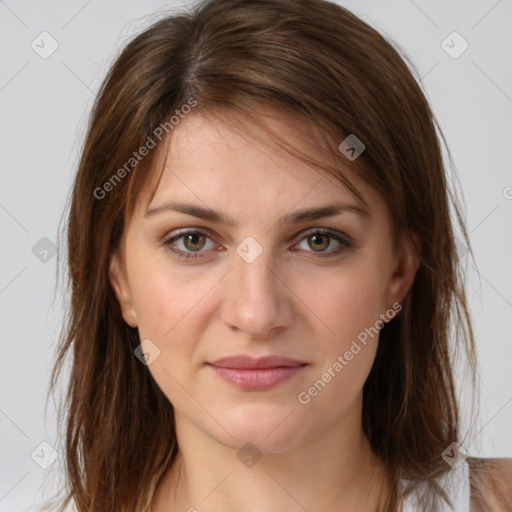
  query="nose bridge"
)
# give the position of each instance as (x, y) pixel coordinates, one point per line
(256, 276)
(257, 301)
(253, 263)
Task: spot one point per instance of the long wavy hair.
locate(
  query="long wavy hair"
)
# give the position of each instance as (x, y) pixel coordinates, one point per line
(312, 59)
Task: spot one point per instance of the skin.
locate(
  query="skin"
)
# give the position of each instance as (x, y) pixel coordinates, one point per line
(289, 301)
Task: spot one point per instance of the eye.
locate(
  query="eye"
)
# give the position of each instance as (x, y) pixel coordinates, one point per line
(320, 240)
(190, 244)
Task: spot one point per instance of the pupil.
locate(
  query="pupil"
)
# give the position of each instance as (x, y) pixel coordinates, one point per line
(317, 240)
(193, 239)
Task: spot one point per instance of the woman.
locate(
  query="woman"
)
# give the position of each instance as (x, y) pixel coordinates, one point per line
(264, 277)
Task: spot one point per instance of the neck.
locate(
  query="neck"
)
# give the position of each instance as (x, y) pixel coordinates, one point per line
(328, 471)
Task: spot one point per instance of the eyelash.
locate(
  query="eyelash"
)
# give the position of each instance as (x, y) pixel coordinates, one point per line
(344, 243)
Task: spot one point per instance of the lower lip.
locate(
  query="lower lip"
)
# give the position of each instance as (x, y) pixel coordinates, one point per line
(257, 379)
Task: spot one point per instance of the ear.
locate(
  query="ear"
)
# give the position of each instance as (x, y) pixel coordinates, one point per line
(119, 281)
(406, 263)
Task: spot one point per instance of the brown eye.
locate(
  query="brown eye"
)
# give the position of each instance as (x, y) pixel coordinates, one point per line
(318, 241)
(189, 244)
(194, 241)
(324, 243)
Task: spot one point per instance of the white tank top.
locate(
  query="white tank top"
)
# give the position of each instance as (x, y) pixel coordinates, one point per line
(456, 485)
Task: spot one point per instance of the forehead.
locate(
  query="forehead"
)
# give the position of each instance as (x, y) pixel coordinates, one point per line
(223, 162)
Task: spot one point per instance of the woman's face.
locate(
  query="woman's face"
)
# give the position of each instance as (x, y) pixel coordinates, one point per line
(271, 281)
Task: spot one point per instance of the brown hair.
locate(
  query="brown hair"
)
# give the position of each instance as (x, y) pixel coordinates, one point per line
(318, 61)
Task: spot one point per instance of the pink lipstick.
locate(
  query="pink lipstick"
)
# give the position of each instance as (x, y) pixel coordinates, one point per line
(256, 374)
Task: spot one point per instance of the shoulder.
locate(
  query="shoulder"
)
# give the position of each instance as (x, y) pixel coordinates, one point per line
(491, 484)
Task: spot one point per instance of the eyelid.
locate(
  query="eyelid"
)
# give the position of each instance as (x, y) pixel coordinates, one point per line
(342, 238)
(299, 236)
(173, 236)
(326, 231)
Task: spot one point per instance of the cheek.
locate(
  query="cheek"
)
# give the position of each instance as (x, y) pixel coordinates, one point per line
(158, 305)
(167, 306)
(350, 309)
(165, 300)
(172, 311)
(348, 305)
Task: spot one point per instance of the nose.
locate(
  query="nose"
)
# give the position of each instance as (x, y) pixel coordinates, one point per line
(257, 300)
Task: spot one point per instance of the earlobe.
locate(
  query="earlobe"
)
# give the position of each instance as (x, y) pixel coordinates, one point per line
(119, 283)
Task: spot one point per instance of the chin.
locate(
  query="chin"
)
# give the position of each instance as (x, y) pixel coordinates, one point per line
(271, 428)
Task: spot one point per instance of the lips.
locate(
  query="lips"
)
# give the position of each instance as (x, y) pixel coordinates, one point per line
(256, 374)
(251, 363)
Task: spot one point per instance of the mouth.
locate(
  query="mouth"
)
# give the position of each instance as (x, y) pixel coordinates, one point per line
(257, 374)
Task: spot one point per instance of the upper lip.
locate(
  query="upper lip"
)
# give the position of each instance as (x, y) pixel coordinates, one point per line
(251, 363)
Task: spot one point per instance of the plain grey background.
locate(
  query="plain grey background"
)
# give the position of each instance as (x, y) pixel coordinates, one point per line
(44, 102)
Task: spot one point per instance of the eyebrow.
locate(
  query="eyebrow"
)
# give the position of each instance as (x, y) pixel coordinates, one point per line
(329, 210)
